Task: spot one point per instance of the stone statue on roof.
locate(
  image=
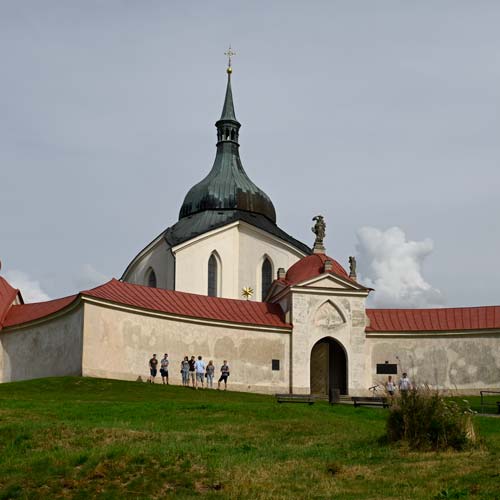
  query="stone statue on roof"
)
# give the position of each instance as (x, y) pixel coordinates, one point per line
(319, 229)
(352, 267)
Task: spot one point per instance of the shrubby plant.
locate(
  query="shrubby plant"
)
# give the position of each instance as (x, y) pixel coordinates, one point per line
(426, 420)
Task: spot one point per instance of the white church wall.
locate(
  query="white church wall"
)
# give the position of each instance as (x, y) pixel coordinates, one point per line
(254, 246)
(191, 262)
(47, 349)
(119, 343)
(157, 257)
(463, 362)
(319, 315)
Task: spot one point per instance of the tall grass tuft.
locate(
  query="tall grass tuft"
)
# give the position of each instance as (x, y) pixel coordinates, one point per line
(426, 420)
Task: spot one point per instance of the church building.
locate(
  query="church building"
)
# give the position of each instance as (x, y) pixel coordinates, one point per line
(227, 283)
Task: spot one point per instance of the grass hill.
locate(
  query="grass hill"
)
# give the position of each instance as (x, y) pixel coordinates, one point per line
(91, 438)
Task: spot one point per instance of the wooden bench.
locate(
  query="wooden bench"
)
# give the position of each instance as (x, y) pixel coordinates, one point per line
(485, 403)
(369, 401)
(295, 398)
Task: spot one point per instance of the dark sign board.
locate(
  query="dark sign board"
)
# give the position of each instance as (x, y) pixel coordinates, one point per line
(387, 369)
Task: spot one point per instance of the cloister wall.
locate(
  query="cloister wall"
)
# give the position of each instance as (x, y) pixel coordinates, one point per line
(467, 362)
(118, 343)
(48, 348)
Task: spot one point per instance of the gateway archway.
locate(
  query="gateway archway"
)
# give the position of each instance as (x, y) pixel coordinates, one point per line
(328, 367)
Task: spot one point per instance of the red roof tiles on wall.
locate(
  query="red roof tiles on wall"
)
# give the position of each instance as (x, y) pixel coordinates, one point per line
(246, 312)
(434, 320)
(191, 305)
(30, 312)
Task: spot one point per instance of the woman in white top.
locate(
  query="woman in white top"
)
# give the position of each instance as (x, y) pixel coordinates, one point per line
(390, 386)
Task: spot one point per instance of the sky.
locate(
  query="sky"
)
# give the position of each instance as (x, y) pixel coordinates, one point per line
(382, 116)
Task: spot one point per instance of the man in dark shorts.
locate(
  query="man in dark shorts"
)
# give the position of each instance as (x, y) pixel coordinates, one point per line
(192, 370)
(224, 373)
(164, 368)
(153, 369)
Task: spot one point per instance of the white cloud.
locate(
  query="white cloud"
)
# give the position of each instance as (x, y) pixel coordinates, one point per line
(30, 289)
(392, 265)
(89, 277)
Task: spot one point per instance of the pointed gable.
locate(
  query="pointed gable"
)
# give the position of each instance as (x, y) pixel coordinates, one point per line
(8, 296)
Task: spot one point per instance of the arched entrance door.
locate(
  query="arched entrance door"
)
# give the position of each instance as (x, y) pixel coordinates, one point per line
(328, 367)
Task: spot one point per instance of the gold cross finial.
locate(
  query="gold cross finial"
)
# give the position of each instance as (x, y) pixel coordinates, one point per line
(229, 54)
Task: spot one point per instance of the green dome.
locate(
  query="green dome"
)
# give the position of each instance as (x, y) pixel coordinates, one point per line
(227, 186)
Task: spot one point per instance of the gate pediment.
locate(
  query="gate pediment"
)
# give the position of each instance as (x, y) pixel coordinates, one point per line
(328, 316)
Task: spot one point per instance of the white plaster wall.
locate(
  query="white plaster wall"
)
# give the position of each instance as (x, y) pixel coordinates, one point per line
(191, 262)
(118, 344)
(160, 259)
(462, 362)
(240, 247)
(308, 329)
(49, 349)
(254, 246)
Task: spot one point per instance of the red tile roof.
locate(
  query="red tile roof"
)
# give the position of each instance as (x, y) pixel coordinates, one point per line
(191, 305)
(157, 299)
(7, 296)
(30, 312)
(312, 266)
(434, 320)
(245, 312)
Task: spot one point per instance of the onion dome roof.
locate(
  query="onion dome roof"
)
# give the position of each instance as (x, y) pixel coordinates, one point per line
(227, 186)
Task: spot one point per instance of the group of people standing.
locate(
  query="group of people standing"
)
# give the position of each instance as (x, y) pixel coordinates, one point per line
(403, 385)
(194, 370)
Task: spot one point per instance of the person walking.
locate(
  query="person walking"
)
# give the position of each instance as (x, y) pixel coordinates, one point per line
(153, 369)
(390, 386)
(224, 373)
(210, 374)
(404, 384)
(200, 371)
(164, 368)
(192, 368)
(185, 371)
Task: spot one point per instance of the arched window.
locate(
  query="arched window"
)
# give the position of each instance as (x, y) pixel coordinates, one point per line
(151, 278)
(213, 275)
(267, 277)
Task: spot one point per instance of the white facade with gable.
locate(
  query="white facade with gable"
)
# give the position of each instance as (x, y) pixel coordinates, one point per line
(240, 250)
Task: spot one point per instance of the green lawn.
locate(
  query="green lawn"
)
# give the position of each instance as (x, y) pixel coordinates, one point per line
(87, 438)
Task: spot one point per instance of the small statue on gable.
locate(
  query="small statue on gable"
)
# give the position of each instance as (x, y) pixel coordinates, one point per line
(319, 229)
(352, 267)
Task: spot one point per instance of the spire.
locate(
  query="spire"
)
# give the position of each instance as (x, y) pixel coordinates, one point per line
(228, 109)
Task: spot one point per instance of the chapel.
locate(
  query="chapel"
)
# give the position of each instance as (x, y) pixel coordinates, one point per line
(226, 238)
(227, 283)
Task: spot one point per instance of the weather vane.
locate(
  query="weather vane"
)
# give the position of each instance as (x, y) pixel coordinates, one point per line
(229, 54)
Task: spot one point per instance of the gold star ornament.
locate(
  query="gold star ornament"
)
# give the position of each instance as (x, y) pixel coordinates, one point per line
(247, 292)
